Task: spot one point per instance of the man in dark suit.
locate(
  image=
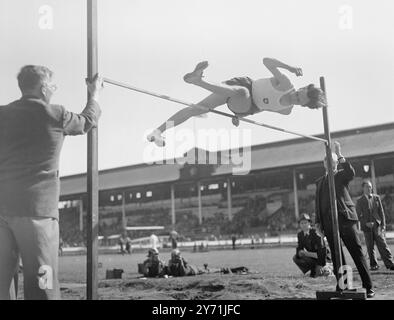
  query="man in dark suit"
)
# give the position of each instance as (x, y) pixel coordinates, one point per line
(32, 132)
(311, 252)
(347, 216)
(373, 224)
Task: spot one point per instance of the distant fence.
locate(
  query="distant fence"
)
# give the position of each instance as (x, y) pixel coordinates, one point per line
(289, 239)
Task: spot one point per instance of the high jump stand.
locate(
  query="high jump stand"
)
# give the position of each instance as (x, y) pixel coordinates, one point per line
(346, 293)
(92, 170)
(92, 164)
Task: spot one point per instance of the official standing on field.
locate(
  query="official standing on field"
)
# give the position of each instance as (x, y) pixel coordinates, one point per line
(32, 132)
(347, 216)
(373, 224)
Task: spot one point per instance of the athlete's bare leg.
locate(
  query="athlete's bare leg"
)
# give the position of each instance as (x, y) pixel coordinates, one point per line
(196, 77)
(237, 97)
(210, 102)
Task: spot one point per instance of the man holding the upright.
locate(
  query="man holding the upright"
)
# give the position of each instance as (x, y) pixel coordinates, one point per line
(32, 131)
(347, 216)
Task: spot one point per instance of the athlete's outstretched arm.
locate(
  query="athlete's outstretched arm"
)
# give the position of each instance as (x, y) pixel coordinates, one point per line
(273, 65)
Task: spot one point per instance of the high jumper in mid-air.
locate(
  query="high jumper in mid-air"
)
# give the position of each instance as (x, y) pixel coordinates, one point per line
(245, 96)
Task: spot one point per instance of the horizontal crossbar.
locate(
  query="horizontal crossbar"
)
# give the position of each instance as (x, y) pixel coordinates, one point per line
(224, 114)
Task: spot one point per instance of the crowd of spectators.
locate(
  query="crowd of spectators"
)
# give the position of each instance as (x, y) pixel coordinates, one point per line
(253, 215)
(70, 233)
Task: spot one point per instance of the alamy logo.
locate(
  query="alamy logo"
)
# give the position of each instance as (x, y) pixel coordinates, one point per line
(45, 21)
(45, 280)
(345, 21)
(237, 155)
(345, 280)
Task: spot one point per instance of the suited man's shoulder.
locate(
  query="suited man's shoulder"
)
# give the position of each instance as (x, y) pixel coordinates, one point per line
(40, 104)
(7, 106)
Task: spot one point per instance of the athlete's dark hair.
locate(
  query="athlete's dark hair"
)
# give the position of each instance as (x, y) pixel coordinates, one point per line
(316, 97)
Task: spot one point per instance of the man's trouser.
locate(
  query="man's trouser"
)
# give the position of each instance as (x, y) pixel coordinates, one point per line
(349, 235)
(305, 263)
(14, 286)
(375, 235)
(36, 241)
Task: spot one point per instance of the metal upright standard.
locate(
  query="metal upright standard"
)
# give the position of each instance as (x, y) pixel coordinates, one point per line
(341, 294)
(331, 184)
(92, 163)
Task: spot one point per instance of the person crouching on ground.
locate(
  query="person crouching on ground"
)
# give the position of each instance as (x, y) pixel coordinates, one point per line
(153, 266)
(311, 251)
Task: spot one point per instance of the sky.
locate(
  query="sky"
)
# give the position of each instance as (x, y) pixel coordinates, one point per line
(151, 44)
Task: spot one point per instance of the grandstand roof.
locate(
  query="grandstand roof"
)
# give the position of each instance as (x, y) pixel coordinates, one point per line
(122, 177)
(359, 142)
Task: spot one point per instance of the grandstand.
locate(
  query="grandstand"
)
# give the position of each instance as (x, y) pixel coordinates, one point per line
(205, 200)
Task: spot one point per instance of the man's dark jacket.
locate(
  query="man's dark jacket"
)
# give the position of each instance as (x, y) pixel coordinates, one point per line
(31, 137)
(312, 243)
(345, 206)
(370, 212)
